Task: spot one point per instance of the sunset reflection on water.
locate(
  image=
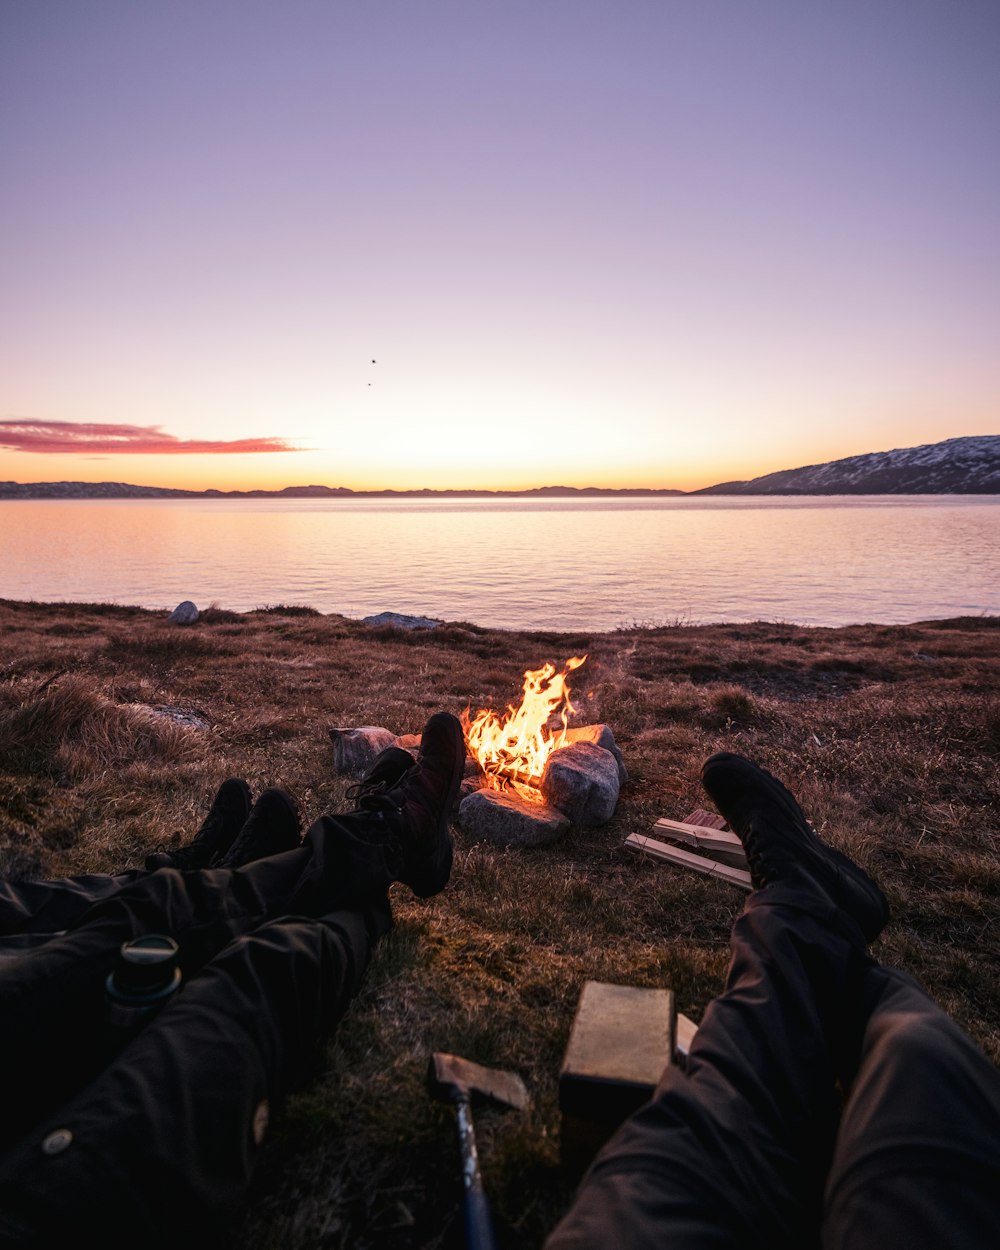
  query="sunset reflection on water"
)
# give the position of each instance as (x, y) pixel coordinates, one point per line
(556, 564)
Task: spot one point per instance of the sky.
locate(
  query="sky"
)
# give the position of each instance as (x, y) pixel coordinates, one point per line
(454, 243)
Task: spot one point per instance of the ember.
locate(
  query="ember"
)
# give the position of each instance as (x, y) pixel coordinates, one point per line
(512, 749)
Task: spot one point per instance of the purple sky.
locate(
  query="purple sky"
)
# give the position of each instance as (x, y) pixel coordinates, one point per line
(660, 244)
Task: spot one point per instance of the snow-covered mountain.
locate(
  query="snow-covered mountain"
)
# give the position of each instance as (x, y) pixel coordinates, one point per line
(958, 466)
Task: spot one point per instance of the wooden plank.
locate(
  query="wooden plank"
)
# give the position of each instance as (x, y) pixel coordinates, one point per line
(720, 844)
(722, 837)
(621, 1041)
(708, 820)
(686, 859)
(686, 1029)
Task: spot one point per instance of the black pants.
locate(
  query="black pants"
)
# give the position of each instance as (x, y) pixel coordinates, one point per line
(827, 1102)
(154, 1145)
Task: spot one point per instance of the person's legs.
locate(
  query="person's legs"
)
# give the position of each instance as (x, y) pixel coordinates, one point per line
(158, 1150)
(733, 1153)
(52, 998)
(42, 908)
(917, 1159)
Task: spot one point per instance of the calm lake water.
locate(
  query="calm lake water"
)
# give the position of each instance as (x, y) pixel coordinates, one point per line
(560, 564)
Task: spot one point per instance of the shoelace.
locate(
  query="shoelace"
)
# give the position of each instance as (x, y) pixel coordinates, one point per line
(758, 860)
(376, 795)
(196, 849)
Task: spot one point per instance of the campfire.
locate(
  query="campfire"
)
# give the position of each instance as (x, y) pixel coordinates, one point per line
(530, 775)
(512, 749)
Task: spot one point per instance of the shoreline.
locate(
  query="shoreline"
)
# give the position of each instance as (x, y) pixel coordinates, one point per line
(18, 492)
(216, 612)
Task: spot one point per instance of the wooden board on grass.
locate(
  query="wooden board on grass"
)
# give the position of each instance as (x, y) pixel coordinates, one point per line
(719, 844)
(686, 859)
(711, 820)
(686, 1029)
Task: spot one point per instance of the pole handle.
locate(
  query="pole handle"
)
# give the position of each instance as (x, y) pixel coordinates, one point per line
(478, 1221)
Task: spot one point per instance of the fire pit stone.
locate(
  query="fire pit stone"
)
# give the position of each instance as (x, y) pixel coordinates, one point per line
(600, 736)
(507, 820)
(581, 780)
(354, 750)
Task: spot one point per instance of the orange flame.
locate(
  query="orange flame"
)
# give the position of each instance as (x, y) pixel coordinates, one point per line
(512, 750)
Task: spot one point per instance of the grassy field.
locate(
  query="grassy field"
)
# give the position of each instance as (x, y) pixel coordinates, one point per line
(889, 735)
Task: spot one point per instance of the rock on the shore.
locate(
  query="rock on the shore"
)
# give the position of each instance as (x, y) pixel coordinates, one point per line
(185, 613)
(399, 621)
(600, 736)
(506, 820)
(581, 780)
(185, 716)
(354, 750)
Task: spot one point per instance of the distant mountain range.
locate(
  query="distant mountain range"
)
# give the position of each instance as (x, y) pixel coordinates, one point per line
(122, 490)
(957, 466)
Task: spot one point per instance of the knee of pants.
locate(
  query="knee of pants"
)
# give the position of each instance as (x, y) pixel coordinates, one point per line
(922, 1085)
(923, 1051)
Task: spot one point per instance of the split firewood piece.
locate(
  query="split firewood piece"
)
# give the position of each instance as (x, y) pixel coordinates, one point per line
(718, 844)
(710, 820)
(685, 859)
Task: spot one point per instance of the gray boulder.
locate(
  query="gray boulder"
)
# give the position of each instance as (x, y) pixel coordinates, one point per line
(354, 750)
(506, 820)
(185, 613)
(600, 736)
(398, 621)
(581, 780)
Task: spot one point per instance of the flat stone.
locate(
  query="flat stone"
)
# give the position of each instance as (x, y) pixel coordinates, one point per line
(409, 742)
(600, 736)
(399, 621)
(581, 780)
(185, 716)
(508, 820)
(354, 750)
(185, 613)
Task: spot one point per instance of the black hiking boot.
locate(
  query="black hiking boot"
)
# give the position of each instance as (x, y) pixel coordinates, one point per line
(386, 772)
(782, 847)
(271, 827)
(225, 819)
(415, 811)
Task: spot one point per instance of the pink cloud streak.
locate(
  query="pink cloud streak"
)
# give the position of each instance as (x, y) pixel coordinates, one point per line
(50, 437)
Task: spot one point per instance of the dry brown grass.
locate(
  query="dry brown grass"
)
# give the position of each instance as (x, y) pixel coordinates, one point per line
(889, 735)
